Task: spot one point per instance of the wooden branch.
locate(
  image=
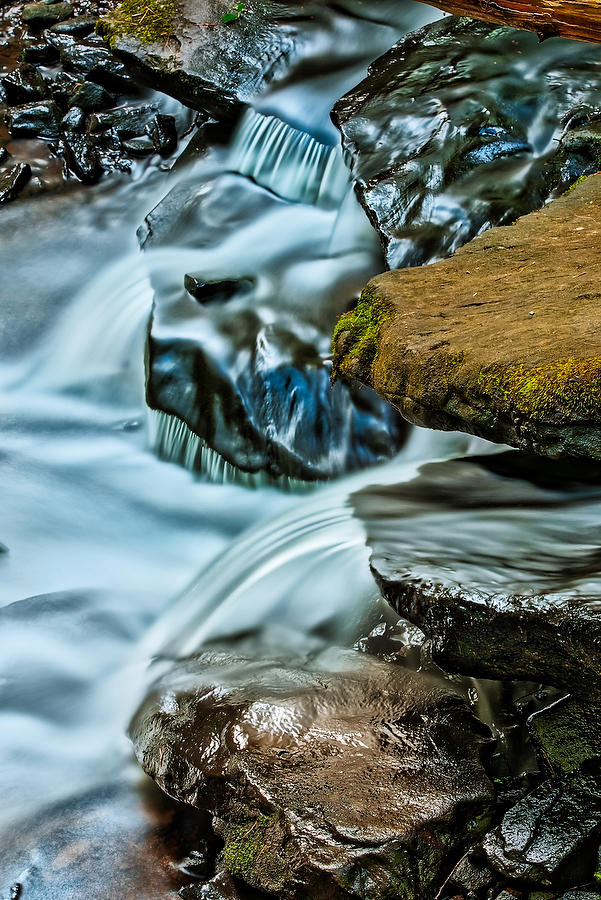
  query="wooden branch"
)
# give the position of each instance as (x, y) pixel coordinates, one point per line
(576, 19)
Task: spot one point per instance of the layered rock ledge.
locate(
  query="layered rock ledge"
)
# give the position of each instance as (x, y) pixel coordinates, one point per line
(501, 341)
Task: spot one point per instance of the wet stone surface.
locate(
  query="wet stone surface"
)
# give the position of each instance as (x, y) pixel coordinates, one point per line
(447, 136)
(295, 760)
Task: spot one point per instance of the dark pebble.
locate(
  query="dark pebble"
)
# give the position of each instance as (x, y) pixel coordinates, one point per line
(35, 119)
(11, 183)
(79, 26)
(41, 54)
(74, 120)
(82, 158)
(163, 133)
(24, 85)
(4, 155)
(92, 97)
(129, 121)
(216, 291)
(43, 15)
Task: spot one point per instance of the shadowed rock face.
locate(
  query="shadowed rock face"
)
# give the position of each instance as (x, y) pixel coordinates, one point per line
(499, 572)
(502, 340)
(331, 776)
(242, 364)
(455, 130)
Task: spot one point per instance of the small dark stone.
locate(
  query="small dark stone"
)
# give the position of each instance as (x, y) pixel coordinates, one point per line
(42, 54)
(95, 62)
(74, 120)
(128, 121)
(35, 119)
(206, 291)
(63, 88)
(92, 97)
(138, 146)
(79, 26)
(11, 183)
(164, 134)
(42, 15)
(4, 155)
(16, 891)
(82, 158)
(24, 85)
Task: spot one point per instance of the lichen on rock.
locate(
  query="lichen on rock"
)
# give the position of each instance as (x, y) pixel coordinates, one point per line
(149, 21)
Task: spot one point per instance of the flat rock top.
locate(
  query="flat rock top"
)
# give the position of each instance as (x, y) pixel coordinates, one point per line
(502, 340)
(302, 753)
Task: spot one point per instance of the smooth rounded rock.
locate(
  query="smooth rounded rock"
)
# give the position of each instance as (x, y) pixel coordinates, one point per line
(332, 775)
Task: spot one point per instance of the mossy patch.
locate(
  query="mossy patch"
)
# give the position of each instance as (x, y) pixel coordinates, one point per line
(149, 21)
(243, 848)
(356, 334)
(568, 388)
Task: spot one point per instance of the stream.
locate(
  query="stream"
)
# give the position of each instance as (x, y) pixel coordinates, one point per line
(123, 536)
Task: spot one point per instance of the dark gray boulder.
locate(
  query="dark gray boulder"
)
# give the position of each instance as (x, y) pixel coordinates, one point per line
(454, 130)
(549, 837)
(42, 15)
(295, 759)
(40, 119)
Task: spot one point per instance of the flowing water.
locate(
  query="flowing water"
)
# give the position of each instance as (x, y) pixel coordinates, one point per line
(112, 550)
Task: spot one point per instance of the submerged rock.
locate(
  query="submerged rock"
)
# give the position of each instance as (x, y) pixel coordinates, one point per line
(246, 372)
(499, 572)
(454, 130)
(328, 777)
(501, 340)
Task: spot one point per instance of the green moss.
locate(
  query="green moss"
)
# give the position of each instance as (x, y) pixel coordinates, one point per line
(577, 182)
(569, 387)
(567, 735)
(149, 21)
(243, 847)
(361, 330)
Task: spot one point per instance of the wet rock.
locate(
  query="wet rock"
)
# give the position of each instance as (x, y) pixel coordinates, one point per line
(295, 759)
(200, 863)
(82, 157)
(78, 26)
(42, 15)
(35, 119)
(163, 132)
(219, 291)
(248, 377)
(23, 85)
(221, 68)
(567, 734)
(91, 59)
(446, 137)
(74, 120)
(221, 887)
(127, 121)
(578, 154)
(44, 54)
(12, 181)
(91, 97)
(502, 592)
(548, 837)
(501, 340)
(4, 155)
(139, 146)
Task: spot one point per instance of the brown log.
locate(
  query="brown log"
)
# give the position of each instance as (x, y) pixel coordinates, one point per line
(576, 19)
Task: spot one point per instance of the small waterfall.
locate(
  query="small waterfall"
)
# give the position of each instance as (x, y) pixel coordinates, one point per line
(288, 161)
(173, 441)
